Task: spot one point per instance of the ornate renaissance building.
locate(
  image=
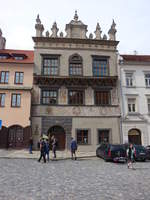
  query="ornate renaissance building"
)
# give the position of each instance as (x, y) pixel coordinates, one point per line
(75, 92)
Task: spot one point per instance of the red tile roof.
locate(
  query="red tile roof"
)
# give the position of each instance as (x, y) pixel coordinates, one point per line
(136, 58)
(28, 56)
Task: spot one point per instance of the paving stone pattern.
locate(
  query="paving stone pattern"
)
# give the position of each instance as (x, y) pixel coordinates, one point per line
(86, 179)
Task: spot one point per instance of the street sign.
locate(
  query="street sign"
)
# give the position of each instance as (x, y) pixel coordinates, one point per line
(0, 124)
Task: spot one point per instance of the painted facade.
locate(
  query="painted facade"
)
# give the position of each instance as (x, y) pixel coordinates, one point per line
(135, 98)
(75, 92)
(16, 80)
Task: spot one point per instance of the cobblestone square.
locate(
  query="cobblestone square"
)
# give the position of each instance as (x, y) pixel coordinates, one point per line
(86, 179)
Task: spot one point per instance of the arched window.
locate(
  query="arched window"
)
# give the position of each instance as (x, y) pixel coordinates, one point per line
(75, 65)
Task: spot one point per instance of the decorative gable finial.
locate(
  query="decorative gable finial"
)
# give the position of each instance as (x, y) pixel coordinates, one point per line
(76, 16)
(98, 31)
(2, 40)
(39, 27)
(54, 30)
(112, 31)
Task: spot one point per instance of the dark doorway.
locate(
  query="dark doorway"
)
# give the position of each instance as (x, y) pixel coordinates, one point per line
(134, 136)
(15, 136)
(59, 134)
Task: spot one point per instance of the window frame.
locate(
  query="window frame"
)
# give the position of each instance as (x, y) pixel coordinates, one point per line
(15, 106)
(109, 135)
(148, 104)
(88, 136)
(109, 97)
(101, 58)
(148, 79)
(49, 90)
(129, 80)
(132, 108)
(1, 94)
(19, 83)
(4, 77)
(50, 56)
(76, 90)
(75, 62)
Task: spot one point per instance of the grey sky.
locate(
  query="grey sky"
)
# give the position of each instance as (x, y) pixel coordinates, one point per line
(17, 20)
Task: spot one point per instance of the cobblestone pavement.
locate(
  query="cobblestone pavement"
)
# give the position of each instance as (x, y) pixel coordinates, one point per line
(86, 179)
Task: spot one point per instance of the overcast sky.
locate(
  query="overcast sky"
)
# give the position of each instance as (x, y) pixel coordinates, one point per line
(17, 20)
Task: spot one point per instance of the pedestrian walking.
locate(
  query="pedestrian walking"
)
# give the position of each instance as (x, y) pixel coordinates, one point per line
(42, 150)
(54, 145)
(47, 149)
(130, 156)
(30, 145)
(73, 147)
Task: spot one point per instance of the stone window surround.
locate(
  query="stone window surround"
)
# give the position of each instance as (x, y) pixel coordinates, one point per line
(132, 96)
(49, 89)
(80, 61)
(89, 135)
(110, 134)
(76, 89)
(43, 56)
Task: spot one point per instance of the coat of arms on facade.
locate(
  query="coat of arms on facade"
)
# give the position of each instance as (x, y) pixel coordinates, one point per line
(49, 110)
(76, 110)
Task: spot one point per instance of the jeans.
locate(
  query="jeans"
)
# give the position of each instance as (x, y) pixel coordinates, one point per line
(30, 149)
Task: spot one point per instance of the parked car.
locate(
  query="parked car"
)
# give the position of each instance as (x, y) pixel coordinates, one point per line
(140, 152)
(148, 152)
(112, 152)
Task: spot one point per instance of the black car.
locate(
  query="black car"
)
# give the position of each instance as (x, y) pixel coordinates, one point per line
(148, 152)
(140, 153)
(112, 152)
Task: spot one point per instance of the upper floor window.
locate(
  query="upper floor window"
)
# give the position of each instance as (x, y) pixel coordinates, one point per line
(50, 65)
(18, 77)
(132, 105)
(16, 100)
(147, 80)
(49, 97)
(129, 79)
(148, 105)
(4, 77)
(2, 100)
(75, 65)
(100, 66)
(102, 98)
(75, 97)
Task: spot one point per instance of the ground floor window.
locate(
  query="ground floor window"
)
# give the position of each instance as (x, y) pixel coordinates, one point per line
(82, 136)
(103, 136)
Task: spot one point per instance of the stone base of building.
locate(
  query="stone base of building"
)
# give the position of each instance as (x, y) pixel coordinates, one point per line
(88, 131)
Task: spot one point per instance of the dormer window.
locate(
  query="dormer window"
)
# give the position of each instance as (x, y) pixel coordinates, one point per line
(4, 55)
(19, 56)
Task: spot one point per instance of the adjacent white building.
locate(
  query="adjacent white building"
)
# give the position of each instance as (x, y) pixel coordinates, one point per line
(134, 73)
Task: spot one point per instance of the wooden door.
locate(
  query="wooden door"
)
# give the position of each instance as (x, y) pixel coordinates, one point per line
(15, 139)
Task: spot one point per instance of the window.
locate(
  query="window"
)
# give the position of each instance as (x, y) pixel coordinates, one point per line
(2, 100)
(102, 98)
(147, 80)
(4, 77)
(100, 67)
(129, 79)
(132, 105)
(103, 136)
(49, 97)
(50, 66)
(148, 104)
(75, 65)
(18, 77)
(16, 100)
(75, 97)
(82, 136)
(18, 58)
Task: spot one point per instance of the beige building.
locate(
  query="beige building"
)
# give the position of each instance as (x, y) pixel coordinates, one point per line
(16, 79)
(75, 85)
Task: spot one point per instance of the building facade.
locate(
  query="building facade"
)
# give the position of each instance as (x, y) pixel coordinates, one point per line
(16, 79)
(135, 98)
(75, 92)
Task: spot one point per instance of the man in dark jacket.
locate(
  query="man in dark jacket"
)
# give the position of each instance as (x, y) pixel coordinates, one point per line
(30, 145)
(73, 147)
(42, 150)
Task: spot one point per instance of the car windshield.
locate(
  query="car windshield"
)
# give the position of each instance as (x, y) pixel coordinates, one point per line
(117, 147)
(139, 147)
